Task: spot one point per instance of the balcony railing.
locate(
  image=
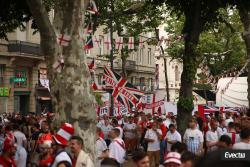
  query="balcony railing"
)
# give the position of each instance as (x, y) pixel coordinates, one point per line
(131, 65)
(24, 47)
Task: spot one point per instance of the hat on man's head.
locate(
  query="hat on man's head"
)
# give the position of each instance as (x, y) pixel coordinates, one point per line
(64, 134)
(173, 157)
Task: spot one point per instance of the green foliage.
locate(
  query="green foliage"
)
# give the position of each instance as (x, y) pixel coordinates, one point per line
(98, 98)
(186, 103)
(15, 13)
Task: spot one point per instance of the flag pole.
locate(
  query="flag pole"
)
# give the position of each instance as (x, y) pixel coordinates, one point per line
(111, 51)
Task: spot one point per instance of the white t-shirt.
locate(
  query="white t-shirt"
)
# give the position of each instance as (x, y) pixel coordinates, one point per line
(193, 138)
(20, 137)
(100, 147)
(221, 131)
(172, 137)
(212, 136)
(106, 130)
(117, 150)
(21, 156)
(241, 146)
(151, 134)
(130, 126)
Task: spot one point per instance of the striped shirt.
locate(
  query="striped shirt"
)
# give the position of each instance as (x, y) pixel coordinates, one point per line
(193, 138)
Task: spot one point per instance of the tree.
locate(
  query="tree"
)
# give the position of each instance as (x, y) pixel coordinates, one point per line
(198, 14)
(128, 23)
(71, 95)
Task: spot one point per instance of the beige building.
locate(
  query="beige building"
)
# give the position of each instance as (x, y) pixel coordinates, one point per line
(140, 64)
(20, 61)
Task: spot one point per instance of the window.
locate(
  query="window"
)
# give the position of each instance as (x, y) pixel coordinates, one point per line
(176, 71)
(101, 39)
(2, 69)
(100, 79)
(132, 80)
(141, 55)
(149, 56)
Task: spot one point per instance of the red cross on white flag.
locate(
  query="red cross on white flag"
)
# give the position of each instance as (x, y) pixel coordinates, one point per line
(131, 43)
(107, 42)
(140, 42)
(118, 43)
(63, 39)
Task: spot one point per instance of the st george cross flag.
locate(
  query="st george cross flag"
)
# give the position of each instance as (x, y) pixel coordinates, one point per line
(63, 39)
(89, 42)
(119, 43)
(92, 7)
(107, 42)
(140, 42)
(120, 89)
(131, 43)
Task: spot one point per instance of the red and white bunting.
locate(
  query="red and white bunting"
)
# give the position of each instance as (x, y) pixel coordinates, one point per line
(58, 65)
(63, 39)
(89, 28)
(140, 42)
(119, 43)
(107, 42)
(92, 7)
(131, 43)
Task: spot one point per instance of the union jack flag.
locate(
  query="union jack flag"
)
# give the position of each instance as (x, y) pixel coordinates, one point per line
(120, 89)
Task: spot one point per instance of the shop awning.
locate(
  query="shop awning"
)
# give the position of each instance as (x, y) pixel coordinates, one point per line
(43, 94)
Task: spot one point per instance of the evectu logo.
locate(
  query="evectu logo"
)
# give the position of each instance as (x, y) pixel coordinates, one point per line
(235, 155)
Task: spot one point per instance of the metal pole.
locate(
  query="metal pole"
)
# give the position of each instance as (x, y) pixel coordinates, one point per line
(111, 51)
(165, 65)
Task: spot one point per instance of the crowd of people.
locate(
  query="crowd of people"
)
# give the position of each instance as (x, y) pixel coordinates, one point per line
(30, 141)
(160, 144)
(146, 140)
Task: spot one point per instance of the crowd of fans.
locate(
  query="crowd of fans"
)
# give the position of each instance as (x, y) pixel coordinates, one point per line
(160, 143)
(147, 140)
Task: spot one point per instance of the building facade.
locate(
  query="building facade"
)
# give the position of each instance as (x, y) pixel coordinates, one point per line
(140, 66)
(20, 61)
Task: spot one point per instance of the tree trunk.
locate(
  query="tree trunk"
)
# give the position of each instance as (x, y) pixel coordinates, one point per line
(192, 29)
(245, 19)
(71, 93)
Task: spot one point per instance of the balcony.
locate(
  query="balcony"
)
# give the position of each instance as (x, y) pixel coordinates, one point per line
(130, 65)
(24, 48)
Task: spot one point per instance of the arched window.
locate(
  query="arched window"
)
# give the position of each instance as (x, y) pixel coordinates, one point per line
(176, 71)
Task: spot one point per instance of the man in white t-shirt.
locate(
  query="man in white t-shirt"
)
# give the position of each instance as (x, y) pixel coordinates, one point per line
(244, 144)
(193, 137)
(172, 137)
(222, 129)
(153, 137)
(106, 128)
(130, 135)
(20, 136)
(117, 148)
(212, 136)
(101, 147)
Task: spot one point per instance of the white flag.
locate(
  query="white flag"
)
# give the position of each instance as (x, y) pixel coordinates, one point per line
(119, 43)
(107, 42)
(131, 43)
